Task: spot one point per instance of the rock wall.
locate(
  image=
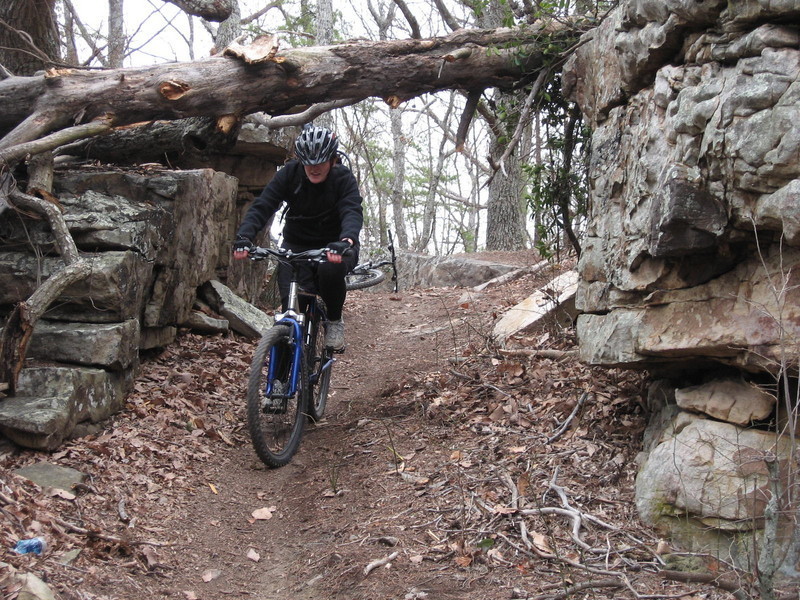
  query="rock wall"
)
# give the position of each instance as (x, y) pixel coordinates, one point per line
(690, 269)
(153, 238)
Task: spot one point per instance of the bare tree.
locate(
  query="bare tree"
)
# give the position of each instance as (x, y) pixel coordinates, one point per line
(116, 34)
(28, 35)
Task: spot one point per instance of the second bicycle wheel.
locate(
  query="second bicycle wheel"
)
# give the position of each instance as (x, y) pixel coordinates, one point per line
(275, 417)
(358, 280)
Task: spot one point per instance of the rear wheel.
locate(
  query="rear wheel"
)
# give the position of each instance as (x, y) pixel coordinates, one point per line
(358, 280)
(276, 419)
(321, 365)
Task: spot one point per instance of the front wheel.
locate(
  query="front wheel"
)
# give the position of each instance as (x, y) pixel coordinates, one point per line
(275, 416)
(358, 280)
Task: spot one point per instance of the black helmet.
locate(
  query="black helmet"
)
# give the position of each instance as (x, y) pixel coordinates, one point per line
(315, 145)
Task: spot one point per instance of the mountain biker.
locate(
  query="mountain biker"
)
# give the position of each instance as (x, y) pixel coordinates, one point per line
(323, 209)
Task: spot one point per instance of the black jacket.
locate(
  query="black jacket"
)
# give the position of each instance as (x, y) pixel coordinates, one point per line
(316, 213)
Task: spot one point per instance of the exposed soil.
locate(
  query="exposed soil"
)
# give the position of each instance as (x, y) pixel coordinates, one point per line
(440, 455)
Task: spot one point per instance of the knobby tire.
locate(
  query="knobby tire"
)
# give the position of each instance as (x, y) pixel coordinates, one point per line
(364, 279)
(322, 379)
(276, 433)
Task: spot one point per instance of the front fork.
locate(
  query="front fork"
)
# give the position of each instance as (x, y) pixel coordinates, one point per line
(296, 346)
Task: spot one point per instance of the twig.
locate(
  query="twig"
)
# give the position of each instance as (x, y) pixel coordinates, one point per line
(379, 563)
(108, 538)
(585, 585)
(559, 432)
(544, 353)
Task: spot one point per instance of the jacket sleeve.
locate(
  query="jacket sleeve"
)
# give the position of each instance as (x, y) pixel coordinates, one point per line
(265, 205)
(351, 214)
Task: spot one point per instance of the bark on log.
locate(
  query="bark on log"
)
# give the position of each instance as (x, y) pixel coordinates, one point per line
(152, 141)
(210, 10)
(393, 70)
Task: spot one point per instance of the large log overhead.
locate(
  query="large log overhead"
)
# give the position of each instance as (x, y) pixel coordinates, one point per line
(228, 85)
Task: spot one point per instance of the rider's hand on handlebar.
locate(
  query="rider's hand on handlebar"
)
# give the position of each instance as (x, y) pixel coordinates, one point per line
(241, 247)
(337, 249)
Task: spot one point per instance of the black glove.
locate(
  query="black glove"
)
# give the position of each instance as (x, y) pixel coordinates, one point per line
(242, 243)
(340, 247)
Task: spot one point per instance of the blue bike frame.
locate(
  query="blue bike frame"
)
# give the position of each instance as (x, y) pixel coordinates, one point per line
(295, 321)
(296, 341)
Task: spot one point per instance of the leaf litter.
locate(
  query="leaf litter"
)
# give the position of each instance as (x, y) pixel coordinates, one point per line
(451, 452)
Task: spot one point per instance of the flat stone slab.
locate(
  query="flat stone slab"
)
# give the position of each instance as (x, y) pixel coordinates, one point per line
(539, 307)
(242, 317)
(45, 474)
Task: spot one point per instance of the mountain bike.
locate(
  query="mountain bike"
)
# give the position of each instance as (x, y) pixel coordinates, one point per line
(370, 273)
(291, 369)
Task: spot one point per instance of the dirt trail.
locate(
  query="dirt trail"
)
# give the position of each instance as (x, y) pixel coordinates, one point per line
(324, 496)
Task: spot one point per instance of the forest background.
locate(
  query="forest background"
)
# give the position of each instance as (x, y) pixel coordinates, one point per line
(443, 182)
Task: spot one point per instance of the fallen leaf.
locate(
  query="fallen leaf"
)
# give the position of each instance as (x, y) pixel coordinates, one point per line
(59, 493)
(463, 561)
(253, 555)
(523, 483)
(496, 555)
(499, 509)
(540, 541)
(151, 556)
(213, 488)
(190, 595)
(416, 559)
(264, 514)
(211, 574)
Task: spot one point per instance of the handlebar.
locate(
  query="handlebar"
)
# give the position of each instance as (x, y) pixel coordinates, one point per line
(289, 256)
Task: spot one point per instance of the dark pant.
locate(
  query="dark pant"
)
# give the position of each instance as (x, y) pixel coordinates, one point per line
(325, 279)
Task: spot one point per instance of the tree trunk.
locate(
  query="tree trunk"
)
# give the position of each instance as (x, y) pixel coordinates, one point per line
(395, 70)
(324, 22)
(116, 34)
(505, 214)
(399, 178)
(505, 220)
(29, 37)
(229, 29)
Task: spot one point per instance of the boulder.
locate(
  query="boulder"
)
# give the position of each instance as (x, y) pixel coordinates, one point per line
(418, 270)
(690, 265)
(732, 400)
(202, 323)
(52, 400)
(49, 475)
(705, 485)
(113, 292)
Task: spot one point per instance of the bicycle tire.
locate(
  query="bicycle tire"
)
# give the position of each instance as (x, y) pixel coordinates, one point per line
(364, 279)
(321, 376)
(275, 432)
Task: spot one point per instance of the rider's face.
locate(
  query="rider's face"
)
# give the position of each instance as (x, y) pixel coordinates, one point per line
(318, 173)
